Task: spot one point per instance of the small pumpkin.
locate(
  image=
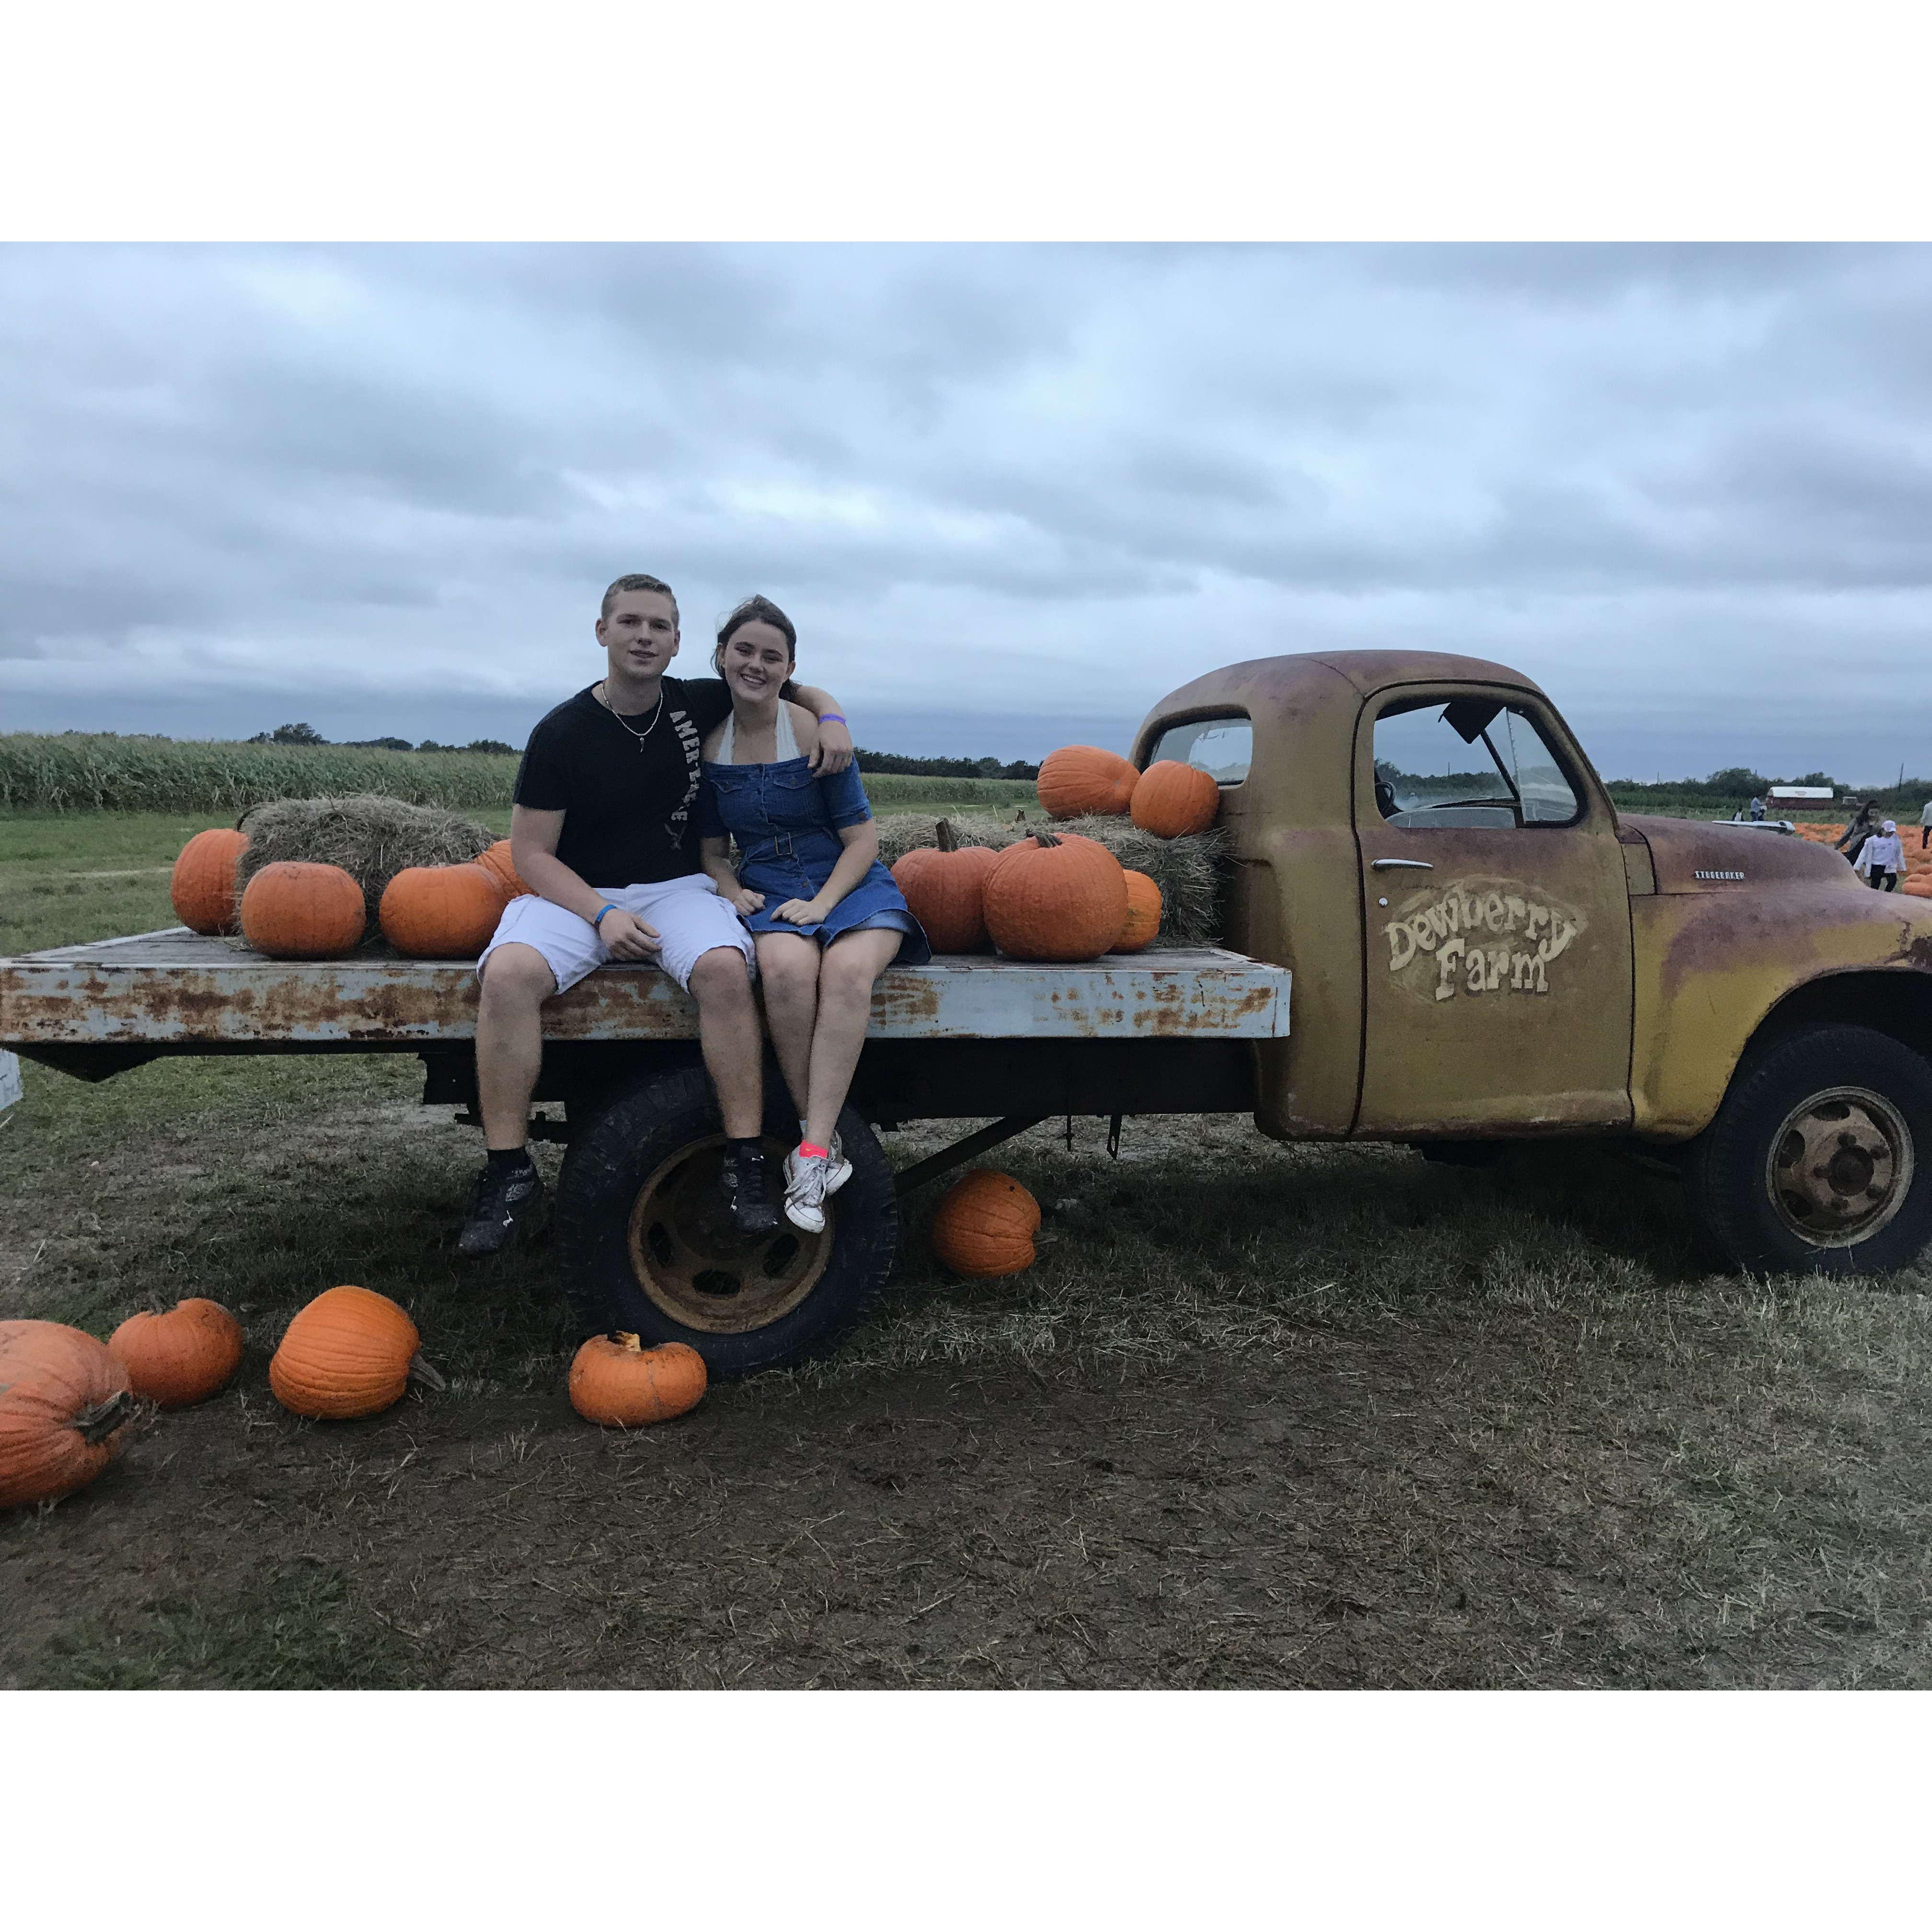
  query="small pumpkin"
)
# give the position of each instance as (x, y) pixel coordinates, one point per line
(945, 890)
(441, 912)
(1919, 885)
(498, 863)
(1143, 915)
(203, 885)
(183, 1356)
(615, 1380)
(1056, 896)
(1079, 779)
(296, 910)
(1171, 799)
(984, 1226)
(350, 1352)
(64, 1403)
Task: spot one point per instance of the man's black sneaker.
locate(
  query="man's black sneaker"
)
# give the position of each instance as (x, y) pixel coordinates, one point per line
(745, 1183)
(504, 1196)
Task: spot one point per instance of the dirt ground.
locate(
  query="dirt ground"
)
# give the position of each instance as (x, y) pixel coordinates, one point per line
(1260, 1417)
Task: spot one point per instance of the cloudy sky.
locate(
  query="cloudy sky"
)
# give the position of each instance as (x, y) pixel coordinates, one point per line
(1010, 495)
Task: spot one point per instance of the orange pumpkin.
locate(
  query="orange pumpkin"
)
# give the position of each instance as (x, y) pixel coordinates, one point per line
(501, 867)
(1143, 915)
(203, 887)
(945, 889)
(184, 1356)
(616, 1381)
(1171, 799)
(64, 1403)
(984, 1226)
(293, 909)
(350, 1352)
(441, 912)
(1079, 779)
(1919, 885)
(1056, 896)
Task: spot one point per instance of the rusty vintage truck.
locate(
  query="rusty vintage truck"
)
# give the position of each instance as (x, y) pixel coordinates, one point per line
(1479, 948)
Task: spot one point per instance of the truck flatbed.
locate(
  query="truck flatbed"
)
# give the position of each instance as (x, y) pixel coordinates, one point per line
(177, 991)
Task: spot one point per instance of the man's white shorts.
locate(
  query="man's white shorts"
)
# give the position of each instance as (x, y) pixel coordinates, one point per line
(691, 919)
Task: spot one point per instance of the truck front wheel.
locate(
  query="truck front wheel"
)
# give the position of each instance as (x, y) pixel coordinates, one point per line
(645, 1245)
(1819, 1159)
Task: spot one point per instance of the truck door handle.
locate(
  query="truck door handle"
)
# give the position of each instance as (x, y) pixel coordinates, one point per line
(1406, 865)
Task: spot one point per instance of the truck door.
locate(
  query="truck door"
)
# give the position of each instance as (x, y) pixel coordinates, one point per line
(1498, 934)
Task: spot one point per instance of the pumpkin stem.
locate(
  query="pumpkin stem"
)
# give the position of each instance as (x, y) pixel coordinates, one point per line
(420, 1371)
(949, 840)
(631, 1344)
(96, 1424)
(1046, 841)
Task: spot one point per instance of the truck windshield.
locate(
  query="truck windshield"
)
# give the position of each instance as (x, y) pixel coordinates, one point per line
(1473, 762)
(1221, 747)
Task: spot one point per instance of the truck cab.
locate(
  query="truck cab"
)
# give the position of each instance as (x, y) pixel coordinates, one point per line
(1483, 948)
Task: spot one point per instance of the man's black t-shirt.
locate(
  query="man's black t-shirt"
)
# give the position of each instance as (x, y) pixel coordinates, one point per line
(627, 800)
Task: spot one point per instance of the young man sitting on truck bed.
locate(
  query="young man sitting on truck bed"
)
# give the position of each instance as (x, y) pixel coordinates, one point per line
(604, 794)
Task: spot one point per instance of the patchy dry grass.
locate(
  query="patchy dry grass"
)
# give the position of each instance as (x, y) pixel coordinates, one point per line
(1259, 1415)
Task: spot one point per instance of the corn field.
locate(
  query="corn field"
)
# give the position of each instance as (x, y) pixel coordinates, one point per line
(74, 772)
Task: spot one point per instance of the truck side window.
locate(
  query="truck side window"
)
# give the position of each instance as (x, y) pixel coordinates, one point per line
(1221, 747)
(1472, 762)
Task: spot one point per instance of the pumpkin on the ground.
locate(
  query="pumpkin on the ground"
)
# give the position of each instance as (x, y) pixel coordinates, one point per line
(202, 885)
(1143, 914)
(64, 1403)
(1055, 896)
(498, 863)
(615, 1380)
(296, 910)
(441, 912)
(184, 1355)
(984, 1226)
(350, 1352)
(1171, 799)
(945, 889)
(1079, 779)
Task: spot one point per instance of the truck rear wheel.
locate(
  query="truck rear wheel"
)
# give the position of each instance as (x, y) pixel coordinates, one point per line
(644, 1244)
(1820, 1157)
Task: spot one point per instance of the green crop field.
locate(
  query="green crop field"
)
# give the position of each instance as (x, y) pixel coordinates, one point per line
(1259, 1415)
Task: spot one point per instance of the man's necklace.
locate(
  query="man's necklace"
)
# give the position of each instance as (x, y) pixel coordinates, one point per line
(604, 692)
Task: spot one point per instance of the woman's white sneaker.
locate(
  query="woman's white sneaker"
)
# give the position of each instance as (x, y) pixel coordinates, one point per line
(810, 1179)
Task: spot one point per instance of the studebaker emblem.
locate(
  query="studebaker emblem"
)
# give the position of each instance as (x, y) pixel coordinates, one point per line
(1480, 936)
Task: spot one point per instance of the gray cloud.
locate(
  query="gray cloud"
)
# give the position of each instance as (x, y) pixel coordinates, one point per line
(356, 483)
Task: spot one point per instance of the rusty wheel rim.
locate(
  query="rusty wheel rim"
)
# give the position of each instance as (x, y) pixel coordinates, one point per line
(1841, 1166)
(693, 1265)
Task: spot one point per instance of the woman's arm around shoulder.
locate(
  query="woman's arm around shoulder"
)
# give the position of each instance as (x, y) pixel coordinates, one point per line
(804, 727)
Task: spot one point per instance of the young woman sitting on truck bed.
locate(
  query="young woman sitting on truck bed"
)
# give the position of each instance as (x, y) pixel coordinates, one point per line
(826, 917)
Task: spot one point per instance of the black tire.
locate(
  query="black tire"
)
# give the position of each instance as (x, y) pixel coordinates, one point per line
(641, 1248)
(1778, 1183)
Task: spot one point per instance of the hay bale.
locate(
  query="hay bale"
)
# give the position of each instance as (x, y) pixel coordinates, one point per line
(1190, 870)
(371, 838)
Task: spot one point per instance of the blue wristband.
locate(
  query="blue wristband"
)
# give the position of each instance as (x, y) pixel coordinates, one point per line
(831, 718)
(597, 924)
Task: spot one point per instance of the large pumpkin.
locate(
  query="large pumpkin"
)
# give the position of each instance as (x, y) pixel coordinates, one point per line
(63, 1402)
(1143, 914)
(984, 1226)
(1056, 896)
(502, 867)
(1171, 799)
(1079, 779)
(615, 1380)
(293, 909)
(203, 887)
(350, 1352)
(441, 912)
(945, 889)
(184, 1356)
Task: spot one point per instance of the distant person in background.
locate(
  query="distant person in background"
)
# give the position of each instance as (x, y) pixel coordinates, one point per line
(1925, 825)
(1882, 858)
(1757, 810)
(1864, 823)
